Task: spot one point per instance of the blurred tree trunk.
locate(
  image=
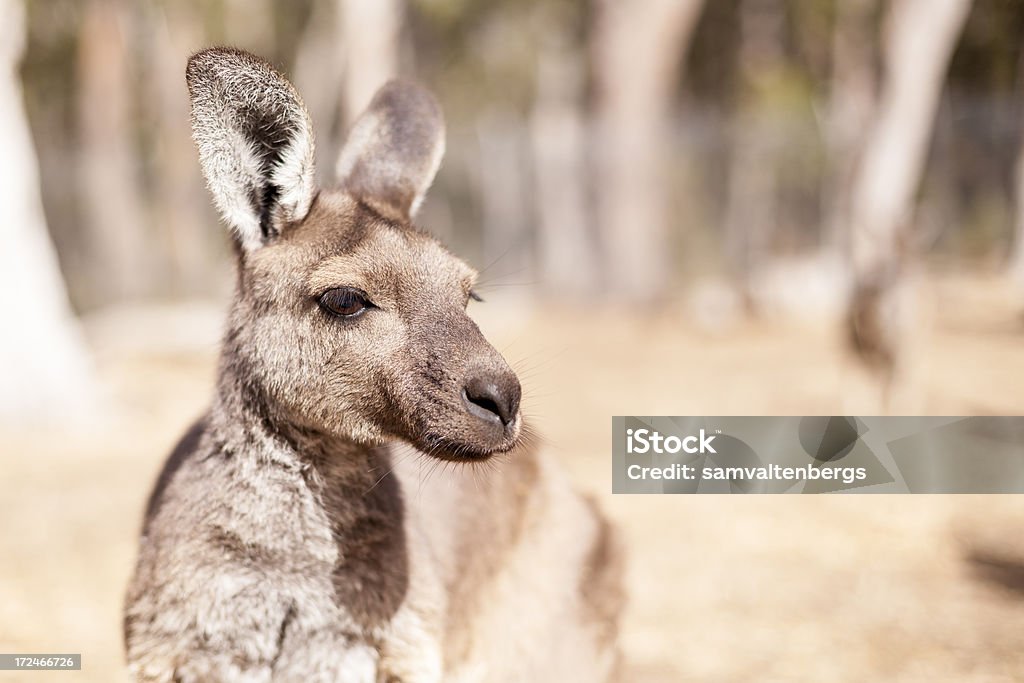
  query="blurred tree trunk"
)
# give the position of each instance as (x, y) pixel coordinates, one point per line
(558, 137)
(637, 50)
(319, 64)
(1016, 268)
(108, 170)
(850, 108)
(751, 210)
(186, 228)
(502, 170)
(371, 31)
(919, 41)
(43, 360)
(340, 64)
(249, 24)
(1016, 260)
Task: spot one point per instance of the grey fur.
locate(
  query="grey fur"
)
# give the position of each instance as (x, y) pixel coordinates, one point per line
(281, 541)
(394, 149)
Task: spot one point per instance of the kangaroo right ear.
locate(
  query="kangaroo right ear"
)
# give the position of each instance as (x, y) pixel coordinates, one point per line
(394, 149)
(255, 143)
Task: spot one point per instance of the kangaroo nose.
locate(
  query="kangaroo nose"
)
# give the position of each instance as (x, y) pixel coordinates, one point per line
(494, 398)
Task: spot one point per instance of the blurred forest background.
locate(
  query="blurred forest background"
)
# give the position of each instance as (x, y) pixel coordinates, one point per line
(678, 207)
(737, 158)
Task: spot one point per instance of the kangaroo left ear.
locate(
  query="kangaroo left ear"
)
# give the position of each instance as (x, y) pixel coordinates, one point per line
(394, 149)
(255, 143)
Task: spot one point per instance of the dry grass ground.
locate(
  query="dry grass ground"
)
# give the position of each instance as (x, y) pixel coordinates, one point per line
(854, 588)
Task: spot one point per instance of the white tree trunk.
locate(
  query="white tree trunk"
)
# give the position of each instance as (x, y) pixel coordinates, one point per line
(371, 31)
(637, 49)
(339, 65)
(1016, 270)
(319, 66)
(850, 108)
(120, 255)
(1015, 264)
(501, 172)
(249, 24)
(566, 249)
(919, 41)
(186, 229)
(751, 215)
(45, 369)
(920, 38)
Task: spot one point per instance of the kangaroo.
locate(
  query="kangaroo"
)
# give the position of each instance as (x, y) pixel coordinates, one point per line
(291, 535)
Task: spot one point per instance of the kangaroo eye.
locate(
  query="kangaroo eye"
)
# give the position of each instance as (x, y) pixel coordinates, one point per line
(344, 301)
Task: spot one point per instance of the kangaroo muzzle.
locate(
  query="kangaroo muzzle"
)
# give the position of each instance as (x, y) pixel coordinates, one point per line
(493, 397)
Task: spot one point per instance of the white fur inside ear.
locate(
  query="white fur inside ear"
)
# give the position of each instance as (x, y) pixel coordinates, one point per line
(295, 176)
(255, 143)
(230, 167)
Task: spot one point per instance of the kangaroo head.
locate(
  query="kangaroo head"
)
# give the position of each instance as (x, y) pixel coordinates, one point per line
(347, 319)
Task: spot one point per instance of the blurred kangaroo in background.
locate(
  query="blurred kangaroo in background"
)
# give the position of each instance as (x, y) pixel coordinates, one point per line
(287, 538)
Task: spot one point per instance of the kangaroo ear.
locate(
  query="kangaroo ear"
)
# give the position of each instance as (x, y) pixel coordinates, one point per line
(394, 149)
(255, 142)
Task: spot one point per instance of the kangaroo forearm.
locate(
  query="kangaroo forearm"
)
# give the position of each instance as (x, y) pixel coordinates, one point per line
(256, 645)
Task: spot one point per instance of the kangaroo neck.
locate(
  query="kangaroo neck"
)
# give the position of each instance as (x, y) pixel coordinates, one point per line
(246, 420)
(351, 483)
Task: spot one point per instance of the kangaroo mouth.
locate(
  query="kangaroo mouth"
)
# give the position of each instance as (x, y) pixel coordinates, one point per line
(480, 419)
(465, 450)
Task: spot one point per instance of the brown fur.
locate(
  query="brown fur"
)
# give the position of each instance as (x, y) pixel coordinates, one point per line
(602, 596)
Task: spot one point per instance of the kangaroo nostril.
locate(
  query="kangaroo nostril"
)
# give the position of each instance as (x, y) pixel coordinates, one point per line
(493, 399)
